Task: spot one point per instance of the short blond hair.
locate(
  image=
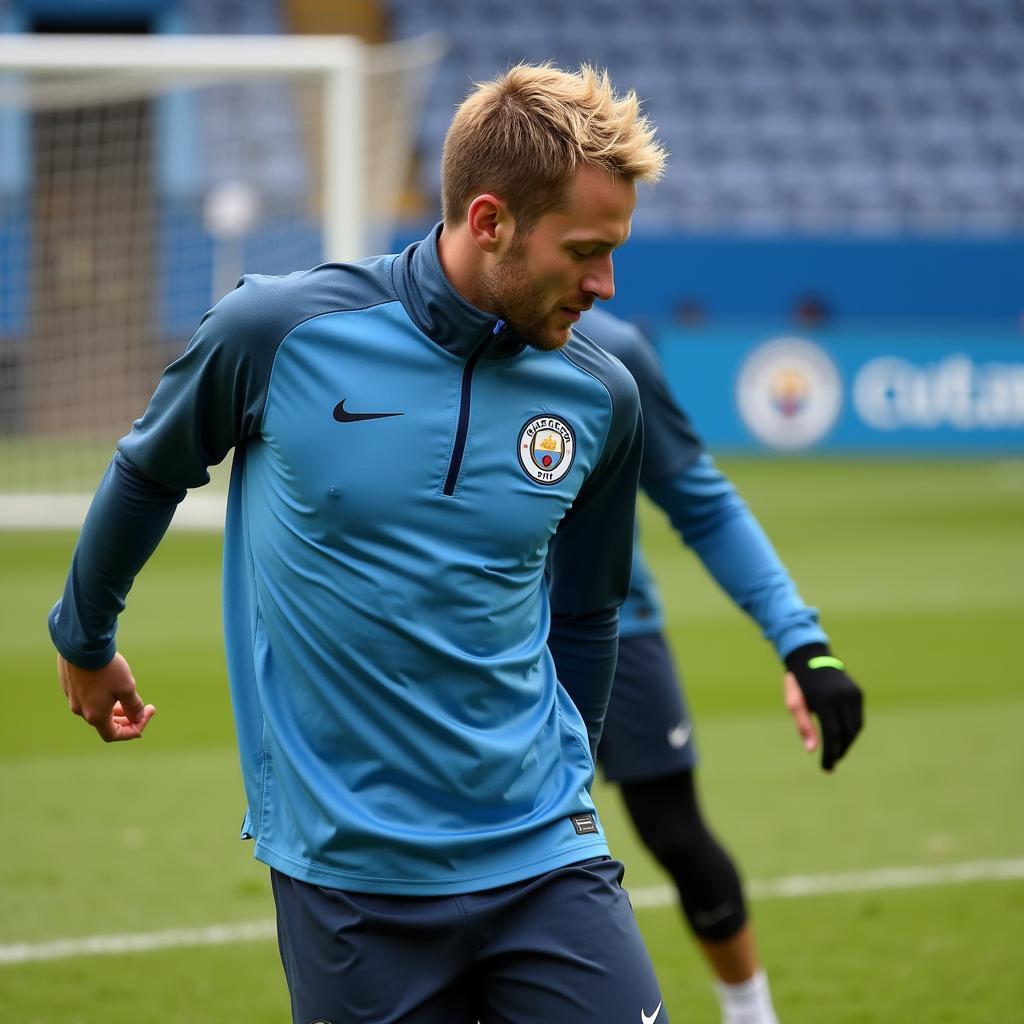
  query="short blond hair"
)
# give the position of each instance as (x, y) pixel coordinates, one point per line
(523, 135)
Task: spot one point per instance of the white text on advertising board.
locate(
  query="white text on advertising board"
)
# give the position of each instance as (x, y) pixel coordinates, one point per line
(890, 393)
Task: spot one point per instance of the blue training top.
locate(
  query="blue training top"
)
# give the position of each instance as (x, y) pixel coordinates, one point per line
(401, 468)
(679, 476)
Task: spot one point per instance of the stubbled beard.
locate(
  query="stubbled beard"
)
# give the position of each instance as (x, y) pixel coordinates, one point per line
(509, 290)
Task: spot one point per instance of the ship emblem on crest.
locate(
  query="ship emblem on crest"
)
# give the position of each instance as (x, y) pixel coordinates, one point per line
(546, 449)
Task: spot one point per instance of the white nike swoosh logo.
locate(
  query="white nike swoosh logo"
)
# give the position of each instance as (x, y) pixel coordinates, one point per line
(678, 736)
(652, 1018)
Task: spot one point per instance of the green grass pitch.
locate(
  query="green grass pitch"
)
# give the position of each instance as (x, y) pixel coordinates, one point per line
(918, 568)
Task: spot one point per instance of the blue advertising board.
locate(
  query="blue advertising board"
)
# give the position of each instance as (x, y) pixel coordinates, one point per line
(851, 390)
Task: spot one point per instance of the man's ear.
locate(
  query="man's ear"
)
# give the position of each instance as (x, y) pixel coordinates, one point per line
(490, 224)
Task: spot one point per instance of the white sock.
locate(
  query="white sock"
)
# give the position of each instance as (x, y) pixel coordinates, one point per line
(749, 1002)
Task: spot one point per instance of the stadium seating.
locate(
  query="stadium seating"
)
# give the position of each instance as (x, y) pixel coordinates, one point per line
(876, 117)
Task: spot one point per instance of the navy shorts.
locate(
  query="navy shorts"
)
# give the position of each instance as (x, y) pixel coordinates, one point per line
(647, 731)
(562, 947)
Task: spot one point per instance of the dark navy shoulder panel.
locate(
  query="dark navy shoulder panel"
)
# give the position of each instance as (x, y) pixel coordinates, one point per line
(596, 361)
(212, 397)
(601, 517)
(263, 310)
(671, 443)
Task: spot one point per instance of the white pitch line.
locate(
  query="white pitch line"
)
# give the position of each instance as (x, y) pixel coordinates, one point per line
(652, 896)
(203, 511)
(140, 942)
(856, 881)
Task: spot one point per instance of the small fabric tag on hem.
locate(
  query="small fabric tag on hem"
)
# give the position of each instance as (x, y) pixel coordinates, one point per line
(584, 824)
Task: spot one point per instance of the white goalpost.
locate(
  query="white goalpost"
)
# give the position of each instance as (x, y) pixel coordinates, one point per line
(140, 176)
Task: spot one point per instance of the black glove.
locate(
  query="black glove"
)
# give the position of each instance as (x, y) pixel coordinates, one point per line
(832, 695)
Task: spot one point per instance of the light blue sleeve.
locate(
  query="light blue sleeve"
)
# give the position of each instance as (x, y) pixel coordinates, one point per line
(715, 522)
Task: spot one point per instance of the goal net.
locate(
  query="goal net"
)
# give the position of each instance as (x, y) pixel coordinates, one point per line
(139, 178)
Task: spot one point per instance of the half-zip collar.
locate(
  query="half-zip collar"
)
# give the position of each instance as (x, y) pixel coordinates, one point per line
(440, 312)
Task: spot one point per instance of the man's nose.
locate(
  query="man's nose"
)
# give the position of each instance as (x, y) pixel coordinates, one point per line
(600, 279)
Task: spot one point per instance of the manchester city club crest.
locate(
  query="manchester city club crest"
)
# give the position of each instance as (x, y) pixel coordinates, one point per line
(547, 447)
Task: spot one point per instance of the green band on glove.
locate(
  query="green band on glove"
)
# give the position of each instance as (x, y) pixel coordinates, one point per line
(824, 661)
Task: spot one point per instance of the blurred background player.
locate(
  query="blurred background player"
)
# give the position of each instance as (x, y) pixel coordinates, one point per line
(648, 745)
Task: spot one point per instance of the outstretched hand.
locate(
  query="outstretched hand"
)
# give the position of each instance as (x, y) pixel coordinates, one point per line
(817, 682)
(106, 698)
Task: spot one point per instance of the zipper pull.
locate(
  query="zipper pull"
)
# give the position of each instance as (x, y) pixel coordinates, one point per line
(499, 326)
